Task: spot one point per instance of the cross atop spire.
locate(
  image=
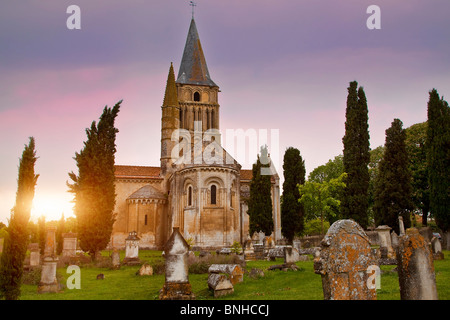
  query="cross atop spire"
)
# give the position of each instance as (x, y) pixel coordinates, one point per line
(193, 5)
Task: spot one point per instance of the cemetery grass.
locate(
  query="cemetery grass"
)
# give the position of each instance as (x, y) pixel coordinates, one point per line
(304, 284)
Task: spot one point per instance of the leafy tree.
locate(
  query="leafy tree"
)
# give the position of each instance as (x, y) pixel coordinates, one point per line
(393, 191)
(438, 158)
(292, 211)
(331, 170)
(319, 198)
(15, 244)
(356, 157)
(416, 137)
(93, 187)
(260, 200)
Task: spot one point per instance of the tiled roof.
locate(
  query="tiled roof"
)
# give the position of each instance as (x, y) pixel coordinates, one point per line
(147, 192)
(246, 174)
(138, 172)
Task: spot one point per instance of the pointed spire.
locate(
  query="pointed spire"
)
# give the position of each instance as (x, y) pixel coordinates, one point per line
(193, 68)
(170, 96)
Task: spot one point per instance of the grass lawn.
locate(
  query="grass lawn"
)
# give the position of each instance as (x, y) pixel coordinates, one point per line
(124, 284)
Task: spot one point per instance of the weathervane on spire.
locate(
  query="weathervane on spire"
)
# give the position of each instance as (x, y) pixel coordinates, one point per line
(192, 4)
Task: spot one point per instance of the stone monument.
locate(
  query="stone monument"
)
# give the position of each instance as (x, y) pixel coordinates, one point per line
(176, 286)
(132, 249)
(49, 282)
(343, 262)
(415, 267)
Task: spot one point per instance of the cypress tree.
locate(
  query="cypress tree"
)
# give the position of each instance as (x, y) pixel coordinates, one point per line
(438, 158)
(16, 242)
(59, 235)
(93, 187)
(393, 191)
(42, 234)
(260, 200)
(356, 157)
(292, 211)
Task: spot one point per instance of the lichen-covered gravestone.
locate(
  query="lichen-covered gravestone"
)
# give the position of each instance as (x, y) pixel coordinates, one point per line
(176, 286)
(415, 267)
(345, 262)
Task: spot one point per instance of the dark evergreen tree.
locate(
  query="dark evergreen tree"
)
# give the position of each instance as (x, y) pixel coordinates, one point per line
(60, 229)
(93, 187)
(438, 158)
(393, 191)
(356, 157)
(42, 234)
(292, 211)
(260, 200)
(416, 136)
(15, 244)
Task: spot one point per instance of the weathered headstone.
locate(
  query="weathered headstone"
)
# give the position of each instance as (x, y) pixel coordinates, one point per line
(69, 244)
(145, 270)
(234, 271)
(436, 248)
(343, 263)
(401, 226)
(35, 256)
(219, 284)
(290, 255)
(176, 286)
(115, 259)
(415, 268)
(132, 249)
(249, 251)
(49, 282)
(385, 242)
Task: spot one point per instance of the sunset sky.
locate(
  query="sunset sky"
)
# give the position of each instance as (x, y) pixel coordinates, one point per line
(281, 65)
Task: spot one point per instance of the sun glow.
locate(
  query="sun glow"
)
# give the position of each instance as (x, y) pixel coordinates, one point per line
(52, 206)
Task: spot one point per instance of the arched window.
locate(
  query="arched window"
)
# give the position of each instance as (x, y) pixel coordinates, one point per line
(196, 96)
(213, 194)
(146, 220)
(190, 196)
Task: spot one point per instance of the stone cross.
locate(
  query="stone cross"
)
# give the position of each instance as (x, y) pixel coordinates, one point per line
(176, 286)
(345, 263)
(415, 267)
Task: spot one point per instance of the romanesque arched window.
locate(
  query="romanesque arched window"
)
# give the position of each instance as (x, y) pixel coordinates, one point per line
(213, 194)
(190, 196)
(196, 96)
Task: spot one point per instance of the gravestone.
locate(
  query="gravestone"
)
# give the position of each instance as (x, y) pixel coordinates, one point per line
(415, 267)
(385, 242)
(234, 271)
(291, 255)
(69, 244)
(249, 251)
(176, 286)
(145, 270)
(35, 256)
(436, 248)
(401, 226)
(344, 261)
(219, 284)
(115, 259)
(49, 282)
(132, 249)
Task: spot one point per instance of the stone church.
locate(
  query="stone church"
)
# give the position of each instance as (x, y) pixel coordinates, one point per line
(198, 186)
